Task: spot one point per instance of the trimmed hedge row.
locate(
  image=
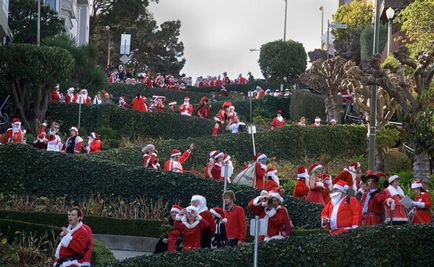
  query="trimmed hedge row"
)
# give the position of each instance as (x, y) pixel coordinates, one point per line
(375, 246)
(292, 143)
(99, 225)
(27, 171)
(304, 103)
(129, 123)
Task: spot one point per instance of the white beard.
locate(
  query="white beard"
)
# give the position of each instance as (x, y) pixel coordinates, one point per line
(335, 198)
(279, 118)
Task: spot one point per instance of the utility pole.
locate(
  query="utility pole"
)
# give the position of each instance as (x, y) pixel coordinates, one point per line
(373, 102)
(322, 26)
(38, 27)
(284, 26)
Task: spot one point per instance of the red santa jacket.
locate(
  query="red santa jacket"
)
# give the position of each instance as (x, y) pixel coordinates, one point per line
(271, 185)
(422, 215)
(260, 94)
(150, 162)
(351, 178)
(300, 189)
(86, 101)
(172, 237)
(372, 206)
(394, 195)
(236, 227)
(88, 253)
(204, 111)
(186, 110)
(69, 98)
(176, 166)
(221, 116)
(139, 104)
(345, 214)
(94, 146)
(260, 171)
(191, 233)
(13, 137)
(278, 124)
(55, 97)
(206, 215)
(75, 244)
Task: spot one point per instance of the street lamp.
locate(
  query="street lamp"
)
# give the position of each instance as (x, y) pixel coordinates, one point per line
(38, 26)
(284, 28)
(390, 13)
(107, 28)
(322, 25)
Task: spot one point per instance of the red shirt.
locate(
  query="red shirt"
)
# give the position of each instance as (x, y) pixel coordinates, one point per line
(374, 209)
(139, 104)
(300, 189)
(260, 173)
(278, 124)
(191, 236)
(423, 215)
(236, 225)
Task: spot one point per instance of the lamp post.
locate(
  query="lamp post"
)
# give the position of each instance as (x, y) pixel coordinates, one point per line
(284, 26)
(38, 26)
(322, 25)
(107, 28)
(390, 13)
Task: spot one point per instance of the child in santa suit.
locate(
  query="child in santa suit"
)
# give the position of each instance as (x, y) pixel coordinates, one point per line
(94, 144)
(14, 134)
(191, 225)
(395, 211)
(421, 204)
(204, 108)
(199, 202)
(174, 164)
(150, 158)
(278, 121)
(219, 238)
(316, 186)
(221, 117)
(372, 200)
(301, 189)
(186, 108)
(172, 236)
(343, 212)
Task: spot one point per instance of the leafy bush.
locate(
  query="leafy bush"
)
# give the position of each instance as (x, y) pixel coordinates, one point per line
(292, 143)
(101, 255)
(382, 246)
(91, 176)
(396, 161)
(129, 123)
(304, 103)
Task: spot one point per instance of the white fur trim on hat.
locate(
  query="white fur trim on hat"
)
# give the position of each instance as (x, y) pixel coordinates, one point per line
(74, 129)
(317, 167)
(340, 187)
(215, 213)
(192, 208)
(392, 178)
(219, 155)
(175, 154)
(175, 210)
(416, 185)
(276, 195)
(261, 157)
(303, 175)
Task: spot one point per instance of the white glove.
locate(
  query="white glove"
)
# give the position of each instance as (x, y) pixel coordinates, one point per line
(418, 204)
(320, 184)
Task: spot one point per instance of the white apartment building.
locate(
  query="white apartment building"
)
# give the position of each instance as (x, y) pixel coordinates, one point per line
(76, 15)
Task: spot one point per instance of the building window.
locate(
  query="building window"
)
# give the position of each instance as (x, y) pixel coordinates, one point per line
(53, 4)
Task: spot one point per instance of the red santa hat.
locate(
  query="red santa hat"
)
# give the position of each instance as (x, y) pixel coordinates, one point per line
(219, 213)
(94, 135)
(279, 111)
(261, 157)
(213, 153)
(275, 194)
(122, 97)
(74, 129)
(317, 118)
(416, 184)
(353, 166)
(314, 167)
(302, 172)
(16, 121)
(192, 209)
(326, 178)
(226, 104)
(217, 154)
(175, 153)
(226, 157)
(341, 186)
(392, 178)
(272, 173)
(176, 208)
(172, 103)
(71, 90)
(186, 98)
(203, 99)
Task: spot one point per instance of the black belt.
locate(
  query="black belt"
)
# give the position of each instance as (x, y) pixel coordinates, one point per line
(62, 260)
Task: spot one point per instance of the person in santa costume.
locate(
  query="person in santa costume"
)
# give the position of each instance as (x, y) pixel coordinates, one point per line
(199, 202)
(41, 139)
(421, 204)
(139, 103)
(343, 212)
(236, 126)
(221, 117)
(94, 143)
(83, 97)
(204, 108)
(351, 176)
(301, 189)
(186, 108)
(73, 143)
(14, 134)
(150, 158)
(122, 103)
(172, 106)
(395, 211)
(261, 171)
(172, 237)
(75, 246)
(236, 225)
(54, 142)
(260, 93)
(56, 96)
(174, 164)
(219, 238)
(268, 207)
(317, 122)
(302, 121)
(316, 186)
(273, 182)
(213, 168)
(69, 98)
(327, 180)
(159, 103)
(372, 200)
(278, 121)
(191, 226)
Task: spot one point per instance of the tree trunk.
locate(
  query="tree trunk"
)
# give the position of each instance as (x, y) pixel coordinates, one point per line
(379, 159)
(332, 108)
(421, 166)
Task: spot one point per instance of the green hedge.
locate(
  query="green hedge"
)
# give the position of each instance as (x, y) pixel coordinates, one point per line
(129, 123)
(375, 246)
(99, 225)
(240, 88)
(292, 143)
(304, 103)
(27, 171)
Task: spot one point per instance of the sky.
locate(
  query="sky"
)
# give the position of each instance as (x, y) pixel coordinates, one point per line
(217, 34)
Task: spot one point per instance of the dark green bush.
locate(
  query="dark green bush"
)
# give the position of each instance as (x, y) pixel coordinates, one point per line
(99, 225)
(375, 246)
(395, 162)
(129, 123)
(304, 103)
(292, 143)
(26, 171)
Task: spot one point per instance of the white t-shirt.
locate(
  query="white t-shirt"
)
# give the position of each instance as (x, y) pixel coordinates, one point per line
(234, 127)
